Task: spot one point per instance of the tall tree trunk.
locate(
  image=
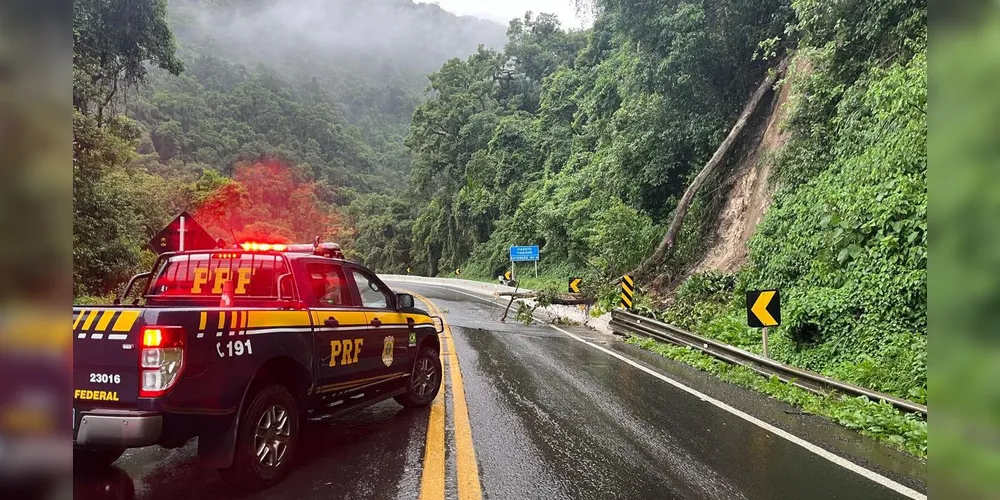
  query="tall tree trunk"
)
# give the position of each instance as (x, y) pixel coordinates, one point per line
(667, 244)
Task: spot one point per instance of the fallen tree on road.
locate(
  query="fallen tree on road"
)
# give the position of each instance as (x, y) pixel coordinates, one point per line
(564, 299)
(667, 244)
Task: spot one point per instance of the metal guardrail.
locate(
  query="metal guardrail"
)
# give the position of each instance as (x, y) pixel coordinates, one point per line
(624, 322)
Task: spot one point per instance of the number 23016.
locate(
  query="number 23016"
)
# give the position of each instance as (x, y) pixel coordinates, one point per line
(105, 378)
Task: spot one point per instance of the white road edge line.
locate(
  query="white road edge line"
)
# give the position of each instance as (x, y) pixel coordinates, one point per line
(837, 459)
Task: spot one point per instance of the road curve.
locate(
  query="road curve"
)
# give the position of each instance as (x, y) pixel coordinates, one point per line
(546, 416)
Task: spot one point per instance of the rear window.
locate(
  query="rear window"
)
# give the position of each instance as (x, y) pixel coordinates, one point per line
(251, 276)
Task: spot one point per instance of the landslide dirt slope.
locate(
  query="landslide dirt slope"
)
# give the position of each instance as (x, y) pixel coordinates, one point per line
(747, 192)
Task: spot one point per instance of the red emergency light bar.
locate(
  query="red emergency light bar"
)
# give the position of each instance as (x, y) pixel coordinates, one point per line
(263, 247)
(323, 249)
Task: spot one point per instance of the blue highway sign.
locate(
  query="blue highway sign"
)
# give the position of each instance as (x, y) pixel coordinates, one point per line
(524, 254)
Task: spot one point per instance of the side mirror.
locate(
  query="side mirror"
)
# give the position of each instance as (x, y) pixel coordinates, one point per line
(438, 324)
(404, 301)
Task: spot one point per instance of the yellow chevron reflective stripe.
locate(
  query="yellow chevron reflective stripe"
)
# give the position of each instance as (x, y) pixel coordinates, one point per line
(99, 320)
(118, 320)
(105, 320)
(79, 317)
(90, 319)
(125, 320)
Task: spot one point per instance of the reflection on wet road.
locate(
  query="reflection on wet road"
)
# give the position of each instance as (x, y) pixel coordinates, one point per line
(375, 453)
(550, 417)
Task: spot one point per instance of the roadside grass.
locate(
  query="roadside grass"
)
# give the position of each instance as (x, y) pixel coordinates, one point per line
(880, 421)
(93, 300)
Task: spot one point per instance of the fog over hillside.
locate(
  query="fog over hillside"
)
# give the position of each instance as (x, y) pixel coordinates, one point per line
(326, 86)
(360, 34)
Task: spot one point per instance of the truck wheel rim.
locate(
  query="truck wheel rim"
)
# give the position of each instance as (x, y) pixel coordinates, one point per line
(425, 378)
(274, 431)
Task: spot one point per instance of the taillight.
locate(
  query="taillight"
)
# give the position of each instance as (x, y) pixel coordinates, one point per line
(152, 337)
(160, 360)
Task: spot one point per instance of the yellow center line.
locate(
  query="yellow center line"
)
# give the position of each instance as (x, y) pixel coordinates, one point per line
(468, 471)
(432, 477)
(469, 487)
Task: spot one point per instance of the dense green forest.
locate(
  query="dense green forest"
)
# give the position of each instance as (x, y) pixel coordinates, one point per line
(211, 106)
(427, 150)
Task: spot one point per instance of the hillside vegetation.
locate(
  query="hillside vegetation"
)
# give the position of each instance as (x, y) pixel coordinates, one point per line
(579, 142)
(846, 236)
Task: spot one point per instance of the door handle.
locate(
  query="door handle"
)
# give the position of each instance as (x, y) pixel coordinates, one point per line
(331, 322)
(376, 322)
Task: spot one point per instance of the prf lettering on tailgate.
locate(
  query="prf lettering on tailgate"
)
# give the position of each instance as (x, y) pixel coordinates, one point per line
(347, 349)
(222, 275)
(96, 395)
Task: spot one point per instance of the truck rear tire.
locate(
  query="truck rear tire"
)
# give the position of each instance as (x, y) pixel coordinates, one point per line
(95, 458)
(425, 380)
(266, 439)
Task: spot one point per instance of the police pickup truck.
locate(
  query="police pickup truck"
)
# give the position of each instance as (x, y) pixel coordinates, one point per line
(238, 347)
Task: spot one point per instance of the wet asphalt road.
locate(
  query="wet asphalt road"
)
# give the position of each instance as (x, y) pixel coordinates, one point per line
(550, 417)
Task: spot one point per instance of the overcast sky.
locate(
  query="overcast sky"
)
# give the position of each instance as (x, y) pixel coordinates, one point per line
(503, 11)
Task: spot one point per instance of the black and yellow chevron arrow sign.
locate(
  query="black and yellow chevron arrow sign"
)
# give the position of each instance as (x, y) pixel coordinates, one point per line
(628, 291)
(574, 284)
(506, 275)
(458, 272)
(763, 308)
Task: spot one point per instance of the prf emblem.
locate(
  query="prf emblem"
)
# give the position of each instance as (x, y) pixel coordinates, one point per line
(387, 345)
(347, 349)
